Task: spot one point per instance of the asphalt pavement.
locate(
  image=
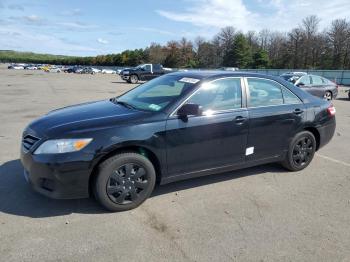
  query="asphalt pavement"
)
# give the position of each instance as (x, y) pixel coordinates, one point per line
(258, 214)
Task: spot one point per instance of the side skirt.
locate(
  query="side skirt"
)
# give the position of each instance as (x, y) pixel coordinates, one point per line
(218, 170)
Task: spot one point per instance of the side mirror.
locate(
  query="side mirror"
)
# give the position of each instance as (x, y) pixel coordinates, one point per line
(300, 84)
(189, 110)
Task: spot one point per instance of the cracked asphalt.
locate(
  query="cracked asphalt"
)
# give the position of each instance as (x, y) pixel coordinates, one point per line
(257, 214)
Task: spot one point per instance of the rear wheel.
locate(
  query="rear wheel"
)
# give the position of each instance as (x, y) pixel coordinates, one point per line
(124, 181)
(349, 94)
(328, 95)
(134, 79)
(301, 151)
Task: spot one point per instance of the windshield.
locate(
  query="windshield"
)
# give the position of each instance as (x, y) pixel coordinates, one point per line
(291, 78)
(158, 93)
(140, 66)
(286, 77)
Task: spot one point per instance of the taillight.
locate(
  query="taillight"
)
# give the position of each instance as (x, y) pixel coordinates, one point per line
(331, 110)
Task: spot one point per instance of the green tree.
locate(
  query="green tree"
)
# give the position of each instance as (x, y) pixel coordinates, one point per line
(240, 53)
(261, 59)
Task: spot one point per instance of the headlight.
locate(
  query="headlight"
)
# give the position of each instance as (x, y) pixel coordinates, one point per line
(58, 146)
(126, 72)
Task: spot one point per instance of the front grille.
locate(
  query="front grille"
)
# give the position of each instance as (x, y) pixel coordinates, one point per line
(29, 141)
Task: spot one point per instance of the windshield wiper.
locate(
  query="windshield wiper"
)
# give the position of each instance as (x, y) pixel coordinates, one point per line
(123, 103)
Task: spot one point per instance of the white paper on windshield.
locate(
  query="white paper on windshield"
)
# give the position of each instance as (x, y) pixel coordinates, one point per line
(189, 80)
(154, 107)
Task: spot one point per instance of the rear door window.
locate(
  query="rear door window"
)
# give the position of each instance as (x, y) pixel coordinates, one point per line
(219, 95)
(317, 80)
(264, 93)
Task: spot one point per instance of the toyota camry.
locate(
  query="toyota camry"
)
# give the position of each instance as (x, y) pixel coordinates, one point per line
(178, 126)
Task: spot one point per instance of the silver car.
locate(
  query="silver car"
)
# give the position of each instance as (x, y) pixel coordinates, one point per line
(316, 85)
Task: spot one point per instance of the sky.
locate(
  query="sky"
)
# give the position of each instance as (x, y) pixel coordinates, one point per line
(93, 27)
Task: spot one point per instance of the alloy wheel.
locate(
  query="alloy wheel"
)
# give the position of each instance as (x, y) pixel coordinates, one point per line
(302, 151)
(328, 96)
(133, 79)
(127, 184)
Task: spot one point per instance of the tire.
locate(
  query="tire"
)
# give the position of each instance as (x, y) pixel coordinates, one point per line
(301, 151)
(134, 79)
(124, 181)
(328, 95)
(349, 94)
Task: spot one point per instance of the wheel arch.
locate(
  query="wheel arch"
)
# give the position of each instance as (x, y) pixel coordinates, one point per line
(148, 153)
(316, 134)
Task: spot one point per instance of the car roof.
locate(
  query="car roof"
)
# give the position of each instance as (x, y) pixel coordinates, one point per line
(212, 74)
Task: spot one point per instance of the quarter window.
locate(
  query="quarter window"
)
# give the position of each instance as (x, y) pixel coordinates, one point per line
(222, 94)
(289, 97)
(264, 93)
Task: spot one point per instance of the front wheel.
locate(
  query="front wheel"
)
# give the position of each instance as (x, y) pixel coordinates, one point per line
(124, 181)
(134, 79)
(300, 152)
(349, 94)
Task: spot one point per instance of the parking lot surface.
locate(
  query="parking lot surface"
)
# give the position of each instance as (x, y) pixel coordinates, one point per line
(257, 214)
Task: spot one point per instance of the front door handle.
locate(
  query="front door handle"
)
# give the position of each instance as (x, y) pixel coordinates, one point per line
(240, 119)
(298, 111)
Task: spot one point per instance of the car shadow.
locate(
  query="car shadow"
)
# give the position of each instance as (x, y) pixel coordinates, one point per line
(343, 99)
(17, 198)
(119, 82)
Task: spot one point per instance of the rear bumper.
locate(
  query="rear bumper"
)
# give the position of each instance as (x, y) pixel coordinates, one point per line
(61, 176)
(326, 132)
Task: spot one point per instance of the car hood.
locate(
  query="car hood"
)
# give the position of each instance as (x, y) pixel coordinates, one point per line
(84, 117)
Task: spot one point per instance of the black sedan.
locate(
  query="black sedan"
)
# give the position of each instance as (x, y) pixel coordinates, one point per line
(178, 126)
(315, 85)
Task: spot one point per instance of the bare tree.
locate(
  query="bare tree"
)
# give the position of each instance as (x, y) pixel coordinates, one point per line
(339, 39)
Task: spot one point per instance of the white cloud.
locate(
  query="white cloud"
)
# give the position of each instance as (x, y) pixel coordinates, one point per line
(14, 38)
(153, 30)
(274, 14)
(73, 12)
(102, 41)
(76, 25)
(217, 13)
(32, 18)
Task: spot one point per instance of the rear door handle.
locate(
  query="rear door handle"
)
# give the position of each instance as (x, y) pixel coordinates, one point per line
(240, 119)
(298, 111)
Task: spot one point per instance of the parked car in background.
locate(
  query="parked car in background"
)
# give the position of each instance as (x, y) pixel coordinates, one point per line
(95, 70)
(16, 66)
(317, 86)
(348, 91)
(53, 69)
(178, 126)
(228, 68)
(87, 70)
(108, 71)
(143, 72)
(292, 76)
(31, 67)
(73, 69)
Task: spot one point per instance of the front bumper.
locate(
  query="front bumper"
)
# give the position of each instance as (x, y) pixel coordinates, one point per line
(60, 176)
(125, 77)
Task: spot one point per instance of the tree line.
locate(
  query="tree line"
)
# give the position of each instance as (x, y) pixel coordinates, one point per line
(304, 47)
